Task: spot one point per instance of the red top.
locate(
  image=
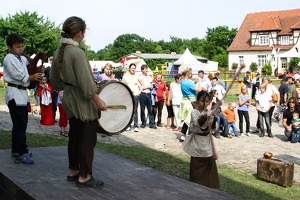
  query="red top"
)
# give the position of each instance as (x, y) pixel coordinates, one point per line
(160, 91)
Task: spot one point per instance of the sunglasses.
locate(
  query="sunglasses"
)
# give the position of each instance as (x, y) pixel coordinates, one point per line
(291, 102)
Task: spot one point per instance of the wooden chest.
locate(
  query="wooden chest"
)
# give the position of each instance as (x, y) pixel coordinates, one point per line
(275, 171)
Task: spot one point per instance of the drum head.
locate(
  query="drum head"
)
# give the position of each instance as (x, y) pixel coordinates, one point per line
(119, 97)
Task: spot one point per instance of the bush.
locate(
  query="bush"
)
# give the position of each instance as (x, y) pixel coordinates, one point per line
(253, 67)
(267, 69)
(234, 66)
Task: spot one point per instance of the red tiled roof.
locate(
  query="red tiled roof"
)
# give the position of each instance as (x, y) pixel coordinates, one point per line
(282, 21)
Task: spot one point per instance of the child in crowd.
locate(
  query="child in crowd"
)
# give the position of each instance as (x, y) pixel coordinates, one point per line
(221, 119)
(15, 73)
(170, 118)
(230, 115)
(63, 119)
(45, 94)
(243, 106)
(296, 128)
(199, 144)
(263, 105)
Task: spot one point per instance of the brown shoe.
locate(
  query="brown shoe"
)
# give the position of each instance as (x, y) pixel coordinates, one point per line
(217, 136)
(228, 136)
(160, 125)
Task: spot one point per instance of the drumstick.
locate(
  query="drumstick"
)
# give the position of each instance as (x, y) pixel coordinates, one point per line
(116, 106)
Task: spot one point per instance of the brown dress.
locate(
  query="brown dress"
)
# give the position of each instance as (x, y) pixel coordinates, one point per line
(203, 168)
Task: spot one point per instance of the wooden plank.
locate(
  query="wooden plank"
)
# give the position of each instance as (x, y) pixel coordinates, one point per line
(124, 179)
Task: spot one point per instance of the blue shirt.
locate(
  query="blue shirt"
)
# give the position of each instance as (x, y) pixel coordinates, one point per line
(243, 98)
(187, 88)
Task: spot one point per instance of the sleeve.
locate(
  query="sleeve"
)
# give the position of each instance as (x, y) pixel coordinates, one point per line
(83, 72)
(275, 90)
(18, 74)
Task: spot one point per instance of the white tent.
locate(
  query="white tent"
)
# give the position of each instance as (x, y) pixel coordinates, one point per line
(293, 52)
(187, 59)
(98, 65)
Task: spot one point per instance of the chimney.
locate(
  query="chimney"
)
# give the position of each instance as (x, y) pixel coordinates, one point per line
(138, 52)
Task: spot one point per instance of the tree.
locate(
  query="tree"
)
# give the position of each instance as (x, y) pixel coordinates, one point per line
(40, 34)
(216, 40)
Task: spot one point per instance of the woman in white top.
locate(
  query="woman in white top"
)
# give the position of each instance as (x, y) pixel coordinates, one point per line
(270, 90)
(175, 96)
(136, 85)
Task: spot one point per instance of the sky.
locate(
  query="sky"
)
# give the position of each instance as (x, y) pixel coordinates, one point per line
(155, 19)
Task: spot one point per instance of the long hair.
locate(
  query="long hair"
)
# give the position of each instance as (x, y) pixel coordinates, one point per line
(72, 26)
(204, 94)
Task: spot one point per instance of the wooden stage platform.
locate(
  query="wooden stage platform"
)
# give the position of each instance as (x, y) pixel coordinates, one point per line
(123, 179)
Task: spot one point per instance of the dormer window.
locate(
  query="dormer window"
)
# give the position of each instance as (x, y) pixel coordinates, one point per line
(285, 40)
(263, 40)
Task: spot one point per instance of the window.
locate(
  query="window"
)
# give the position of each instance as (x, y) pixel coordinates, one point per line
(263, 40)
(285, 40)
(241, 60)
(262, 60)
(283, 62)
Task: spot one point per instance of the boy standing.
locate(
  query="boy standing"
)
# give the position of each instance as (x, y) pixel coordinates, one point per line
(15, 73)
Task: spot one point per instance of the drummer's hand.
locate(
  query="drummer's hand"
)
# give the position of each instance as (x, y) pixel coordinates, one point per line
(101, 105)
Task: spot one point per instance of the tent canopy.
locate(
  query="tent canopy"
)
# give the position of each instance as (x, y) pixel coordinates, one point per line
(188, 59)
(100, 64)
(293, 52)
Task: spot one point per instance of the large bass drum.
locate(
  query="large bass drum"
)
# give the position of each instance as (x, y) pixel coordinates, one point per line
(120, 104)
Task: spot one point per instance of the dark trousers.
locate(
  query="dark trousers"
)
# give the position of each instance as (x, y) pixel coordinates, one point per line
(271, 114)
(82, 141)
(19, 118)
(221, 120)
(157, 109)
(244, 114)
(54, 103)
(145, 101)
(170, 111)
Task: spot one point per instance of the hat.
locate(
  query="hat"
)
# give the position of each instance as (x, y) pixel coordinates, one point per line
(247, 72)
(217, 74)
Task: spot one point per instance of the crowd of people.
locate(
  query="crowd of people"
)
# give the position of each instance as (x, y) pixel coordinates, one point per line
(194, 107)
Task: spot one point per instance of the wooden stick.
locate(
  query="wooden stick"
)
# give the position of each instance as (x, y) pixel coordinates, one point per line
(215, 155)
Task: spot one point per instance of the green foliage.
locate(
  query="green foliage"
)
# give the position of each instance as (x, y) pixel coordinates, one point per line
(221, 58)
(234, 66)
(217, 41)
(253, 67)
(294, 62)
(267, 69)
(39, 33)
